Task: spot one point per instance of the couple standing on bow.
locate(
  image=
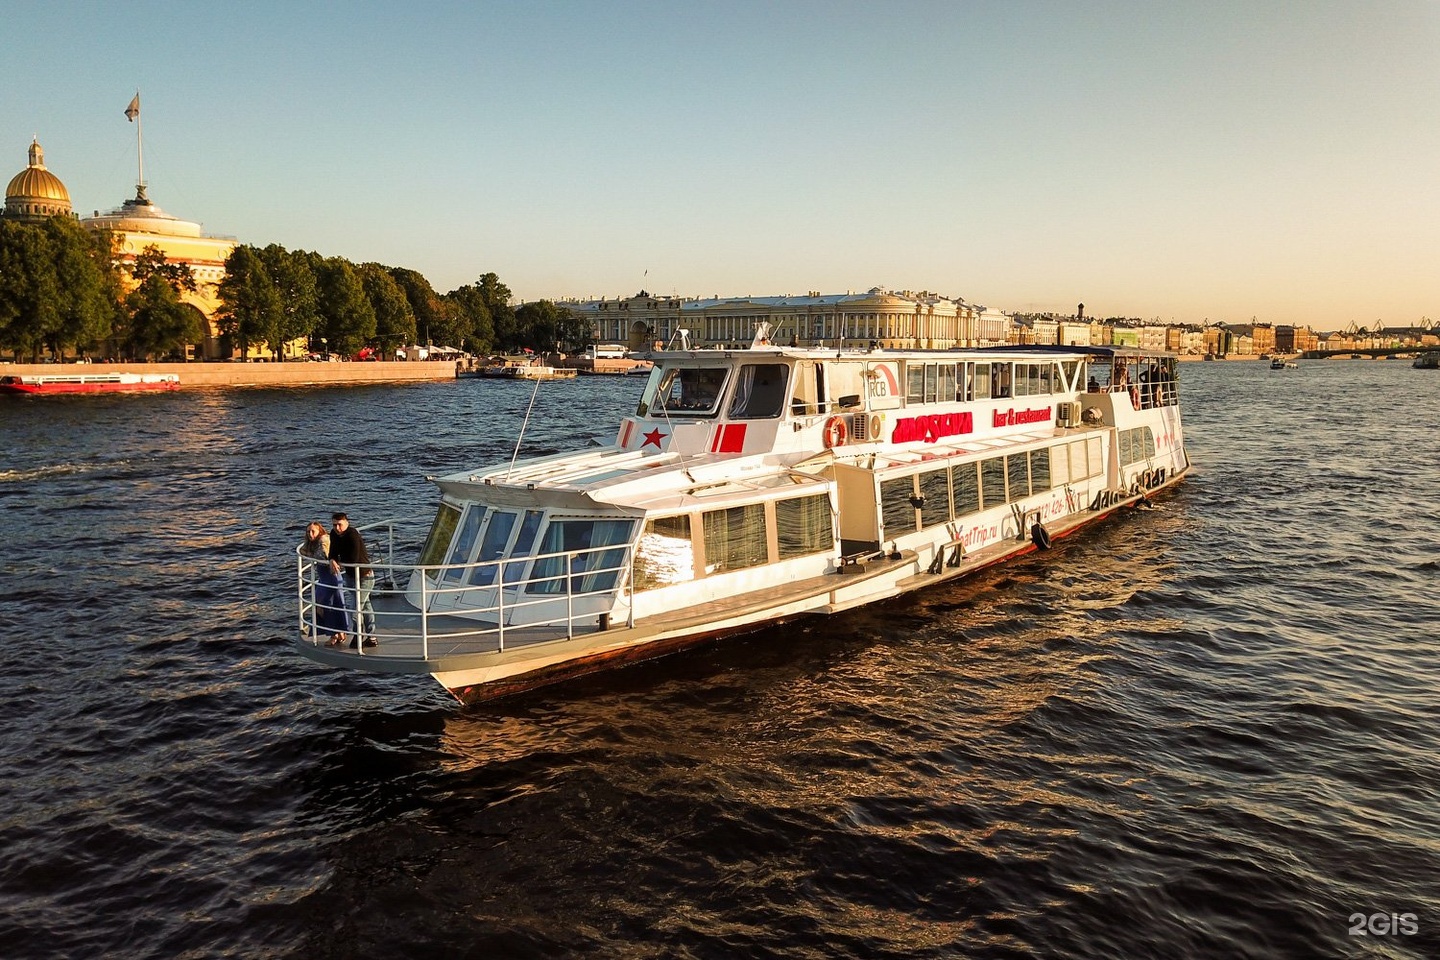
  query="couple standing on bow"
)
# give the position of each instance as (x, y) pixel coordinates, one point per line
(343, 581)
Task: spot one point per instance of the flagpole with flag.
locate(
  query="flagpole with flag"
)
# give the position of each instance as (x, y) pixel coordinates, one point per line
(132, 113)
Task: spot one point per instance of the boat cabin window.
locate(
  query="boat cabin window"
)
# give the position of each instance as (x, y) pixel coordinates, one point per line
(965, 488)
(1136, 445)
(576, 541)
(759, 391)
(665, 554)
(932, 383)
(440, 533)
(992, 482)
(804, 525)
(735, 538)
(1039, 470)
(1017, 472)
(685, 391)
(979, 381)
(897, 505)
(999, 379)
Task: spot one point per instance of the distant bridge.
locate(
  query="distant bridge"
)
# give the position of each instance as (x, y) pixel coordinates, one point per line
(1372, 352)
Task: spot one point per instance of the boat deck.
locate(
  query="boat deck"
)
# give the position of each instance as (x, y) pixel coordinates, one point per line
(410, 643)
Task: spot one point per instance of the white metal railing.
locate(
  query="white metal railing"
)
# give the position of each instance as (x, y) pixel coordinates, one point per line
(467, 607)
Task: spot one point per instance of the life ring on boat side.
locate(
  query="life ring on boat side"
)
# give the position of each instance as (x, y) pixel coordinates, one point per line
(1040, 535)
(834, 433)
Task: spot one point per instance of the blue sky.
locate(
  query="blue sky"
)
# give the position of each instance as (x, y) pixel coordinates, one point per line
(1184, 160)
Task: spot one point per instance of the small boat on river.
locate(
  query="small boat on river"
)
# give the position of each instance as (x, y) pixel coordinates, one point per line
(1281, 363)
(50, 383)
(1429, 360)
(751, 487)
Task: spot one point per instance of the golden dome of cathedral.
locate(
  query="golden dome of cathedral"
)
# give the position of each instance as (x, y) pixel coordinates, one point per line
(35, 191)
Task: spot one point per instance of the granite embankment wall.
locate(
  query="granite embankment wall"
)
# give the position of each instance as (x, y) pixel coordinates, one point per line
(256, 374)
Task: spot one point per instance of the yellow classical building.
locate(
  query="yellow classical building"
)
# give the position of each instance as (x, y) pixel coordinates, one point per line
(35, 194)
(879, 317)
(139, 224)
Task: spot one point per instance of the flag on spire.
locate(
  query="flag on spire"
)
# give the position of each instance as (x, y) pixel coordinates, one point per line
(133, 111)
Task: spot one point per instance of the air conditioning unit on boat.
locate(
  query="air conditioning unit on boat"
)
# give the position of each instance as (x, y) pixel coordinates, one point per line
(1067, 414)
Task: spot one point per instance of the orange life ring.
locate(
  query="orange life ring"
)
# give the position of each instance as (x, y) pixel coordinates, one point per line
(834, 433)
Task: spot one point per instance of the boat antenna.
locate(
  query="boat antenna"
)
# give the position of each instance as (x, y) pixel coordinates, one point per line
(132, 113)
(523, 424)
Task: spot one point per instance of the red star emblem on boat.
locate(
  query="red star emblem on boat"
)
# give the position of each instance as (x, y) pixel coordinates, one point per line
(654, 436)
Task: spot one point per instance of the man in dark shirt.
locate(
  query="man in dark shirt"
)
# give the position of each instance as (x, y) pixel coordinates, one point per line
(349, 560)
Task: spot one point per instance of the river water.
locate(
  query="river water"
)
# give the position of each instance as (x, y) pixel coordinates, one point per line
(1204, 730)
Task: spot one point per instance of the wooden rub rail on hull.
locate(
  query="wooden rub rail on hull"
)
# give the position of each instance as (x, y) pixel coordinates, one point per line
(729, 503)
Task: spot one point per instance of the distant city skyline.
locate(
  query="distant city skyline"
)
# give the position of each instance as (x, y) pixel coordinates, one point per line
(1188, 162)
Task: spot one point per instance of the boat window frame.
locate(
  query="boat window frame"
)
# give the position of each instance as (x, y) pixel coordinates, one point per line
(738, 383)
(662, 380)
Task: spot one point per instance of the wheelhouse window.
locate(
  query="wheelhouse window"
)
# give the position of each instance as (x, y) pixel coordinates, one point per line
(759, 391)
(492, 547)
(464, 543)
(441, 531)
(685, 391)
(524, 545)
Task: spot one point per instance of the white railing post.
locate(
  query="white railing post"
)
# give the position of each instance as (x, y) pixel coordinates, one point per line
(569, 599)
(500, 605)
(300, 593)
(424, 615)
(630, 617)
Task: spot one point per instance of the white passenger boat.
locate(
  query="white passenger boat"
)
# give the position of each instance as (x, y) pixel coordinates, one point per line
(752, 487)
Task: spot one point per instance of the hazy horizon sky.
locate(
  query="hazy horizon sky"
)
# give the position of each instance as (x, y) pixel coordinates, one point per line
(1188, 161)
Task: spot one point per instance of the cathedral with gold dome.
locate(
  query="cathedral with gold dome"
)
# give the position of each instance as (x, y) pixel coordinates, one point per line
(35, 194)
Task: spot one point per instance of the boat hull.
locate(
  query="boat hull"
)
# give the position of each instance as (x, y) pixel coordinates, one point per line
(481, 684)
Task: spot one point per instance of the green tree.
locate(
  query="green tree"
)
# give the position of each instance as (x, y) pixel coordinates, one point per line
(394, 320)
(250, 310)
(544, 326)
(152, 260)
(473, 315)
(487, 320)
(433, 322)
(159, 322)
(29, 289)
(294, 280)
(88, 285)
(347, 320)
(497, 298)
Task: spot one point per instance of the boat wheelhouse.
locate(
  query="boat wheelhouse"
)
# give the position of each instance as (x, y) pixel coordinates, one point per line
(751, 487)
